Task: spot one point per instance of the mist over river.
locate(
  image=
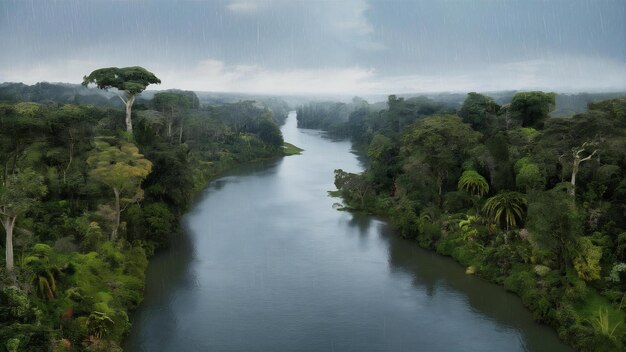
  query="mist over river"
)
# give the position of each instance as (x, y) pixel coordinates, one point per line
(267, 264)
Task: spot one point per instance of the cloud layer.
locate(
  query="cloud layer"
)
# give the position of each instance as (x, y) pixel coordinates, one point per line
(345, 47)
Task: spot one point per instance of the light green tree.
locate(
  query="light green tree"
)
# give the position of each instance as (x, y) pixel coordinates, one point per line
(19, 192)
(528, 176)
(587, 262)
(473, 183)
(123, 169)
(129, 81)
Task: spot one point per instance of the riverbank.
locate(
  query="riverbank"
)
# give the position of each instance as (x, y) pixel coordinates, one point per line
(95, 202)
(266, 263)
(492, 197)
(589, 310)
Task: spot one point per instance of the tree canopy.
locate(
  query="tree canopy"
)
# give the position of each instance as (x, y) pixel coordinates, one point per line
(129, 80)
(532, 107)
(477, 109)
(132, 80)
(123, 169)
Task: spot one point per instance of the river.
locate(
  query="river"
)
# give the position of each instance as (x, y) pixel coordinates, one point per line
(267, 264)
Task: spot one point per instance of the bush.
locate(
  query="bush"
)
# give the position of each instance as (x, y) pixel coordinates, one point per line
(429, 233)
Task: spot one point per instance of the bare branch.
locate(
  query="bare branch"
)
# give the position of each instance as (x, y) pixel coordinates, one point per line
(590, 156)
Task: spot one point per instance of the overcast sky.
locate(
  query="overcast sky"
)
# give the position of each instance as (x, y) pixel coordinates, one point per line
(341, 46)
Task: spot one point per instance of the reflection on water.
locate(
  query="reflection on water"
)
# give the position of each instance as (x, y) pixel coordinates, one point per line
(267, 264)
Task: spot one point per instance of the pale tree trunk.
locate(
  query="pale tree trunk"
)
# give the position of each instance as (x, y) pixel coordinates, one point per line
(576, 165)
(180, 135)
(129, 104)
(117, 215)
(129, 122)
(8, 223)
(573, 180)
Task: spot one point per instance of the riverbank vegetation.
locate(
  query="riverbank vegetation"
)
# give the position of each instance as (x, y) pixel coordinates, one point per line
(290, 149)
(532, 202)
(84, 202)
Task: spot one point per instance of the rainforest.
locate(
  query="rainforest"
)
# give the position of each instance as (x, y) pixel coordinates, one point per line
(277, 175)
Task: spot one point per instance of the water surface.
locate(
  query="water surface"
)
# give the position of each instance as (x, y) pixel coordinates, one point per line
(267, 264)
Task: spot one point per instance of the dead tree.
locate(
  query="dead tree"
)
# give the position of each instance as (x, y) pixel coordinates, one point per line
(578, 158)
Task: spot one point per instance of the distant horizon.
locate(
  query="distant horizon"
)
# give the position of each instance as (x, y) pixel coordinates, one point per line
(347, 95)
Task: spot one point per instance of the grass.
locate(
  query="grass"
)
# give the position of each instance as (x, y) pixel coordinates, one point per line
(290, 149)
(602, 315)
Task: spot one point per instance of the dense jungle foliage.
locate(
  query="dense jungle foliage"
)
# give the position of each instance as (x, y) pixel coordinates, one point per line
(87, 203)
(532, 202)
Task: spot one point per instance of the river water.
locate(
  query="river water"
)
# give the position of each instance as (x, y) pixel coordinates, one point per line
(267, 264)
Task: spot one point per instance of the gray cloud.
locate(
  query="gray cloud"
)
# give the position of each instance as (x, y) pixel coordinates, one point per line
(349, 46)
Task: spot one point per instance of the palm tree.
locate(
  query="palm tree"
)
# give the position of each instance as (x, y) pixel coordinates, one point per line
(100, 324)
(473, 183)
(44, 279)
(507, 208)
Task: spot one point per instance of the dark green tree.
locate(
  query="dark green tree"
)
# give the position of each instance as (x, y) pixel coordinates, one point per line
(506, 208)
(477, 109)
(441, 142)
(555, 224)
(531, 108)
(173, 106)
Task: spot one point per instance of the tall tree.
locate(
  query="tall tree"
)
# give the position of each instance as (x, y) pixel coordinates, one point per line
(129, 81)
(556, 225)
(578, 158)
(123, 169)
(441, 142)
(477, 109)
(532, 107)
(172, 105)
(19, 192)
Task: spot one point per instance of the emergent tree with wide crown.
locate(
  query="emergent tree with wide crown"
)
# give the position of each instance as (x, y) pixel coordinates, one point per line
(129, 81)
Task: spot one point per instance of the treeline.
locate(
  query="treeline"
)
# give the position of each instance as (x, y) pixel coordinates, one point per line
(83, 204)
(527, 201)
(66, 93)
(44, 92)
(332, 116)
